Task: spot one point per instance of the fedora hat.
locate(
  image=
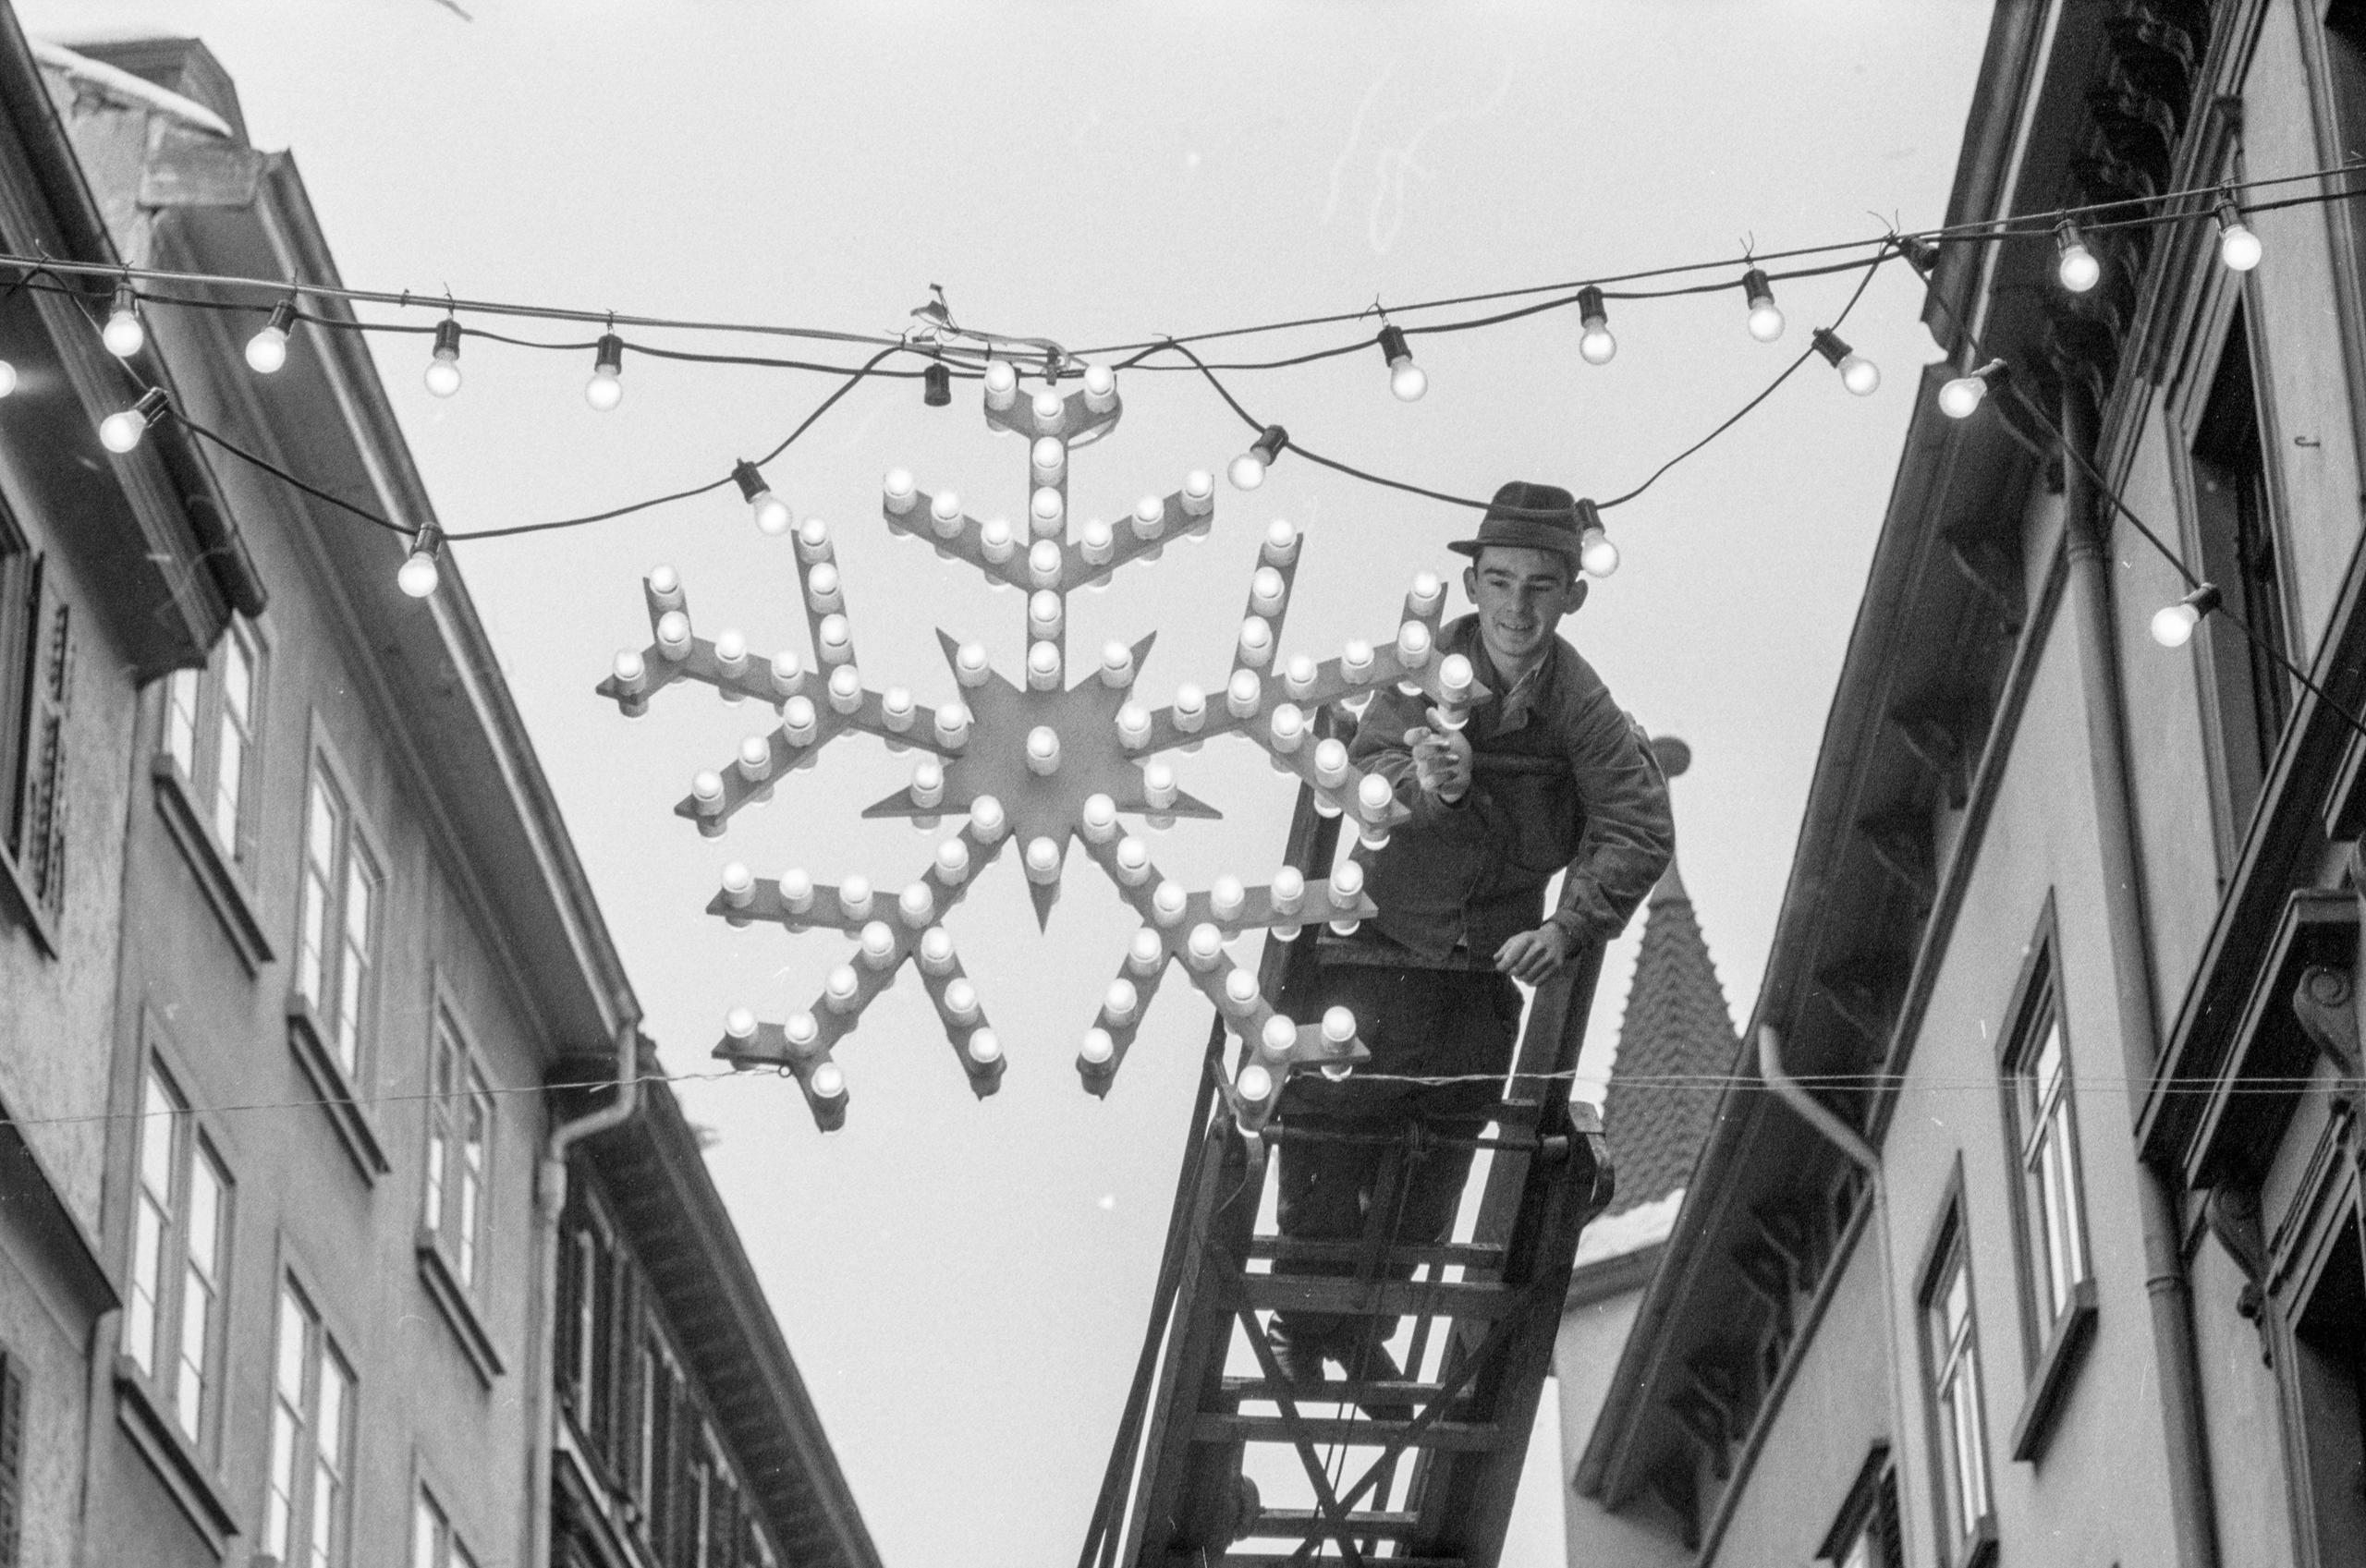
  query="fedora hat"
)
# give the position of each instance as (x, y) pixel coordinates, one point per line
(1525, 514)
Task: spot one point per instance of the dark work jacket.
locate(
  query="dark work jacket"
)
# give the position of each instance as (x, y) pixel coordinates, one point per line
(1572, 786)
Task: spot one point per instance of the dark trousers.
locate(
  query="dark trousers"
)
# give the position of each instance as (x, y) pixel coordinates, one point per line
(1430, 1023)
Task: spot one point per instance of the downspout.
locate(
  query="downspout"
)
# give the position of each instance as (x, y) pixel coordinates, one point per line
(550, 1202)
(1866, 1157)
(2192, 1513)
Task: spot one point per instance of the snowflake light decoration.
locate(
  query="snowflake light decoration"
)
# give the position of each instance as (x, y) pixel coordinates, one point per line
(1039, 761)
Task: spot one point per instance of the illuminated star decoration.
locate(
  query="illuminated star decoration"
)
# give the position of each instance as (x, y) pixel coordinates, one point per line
(1038, 763)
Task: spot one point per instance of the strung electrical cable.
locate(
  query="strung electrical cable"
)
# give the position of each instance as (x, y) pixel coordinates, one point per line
(1668, 1083)
(2193, 580)
(2093, 215)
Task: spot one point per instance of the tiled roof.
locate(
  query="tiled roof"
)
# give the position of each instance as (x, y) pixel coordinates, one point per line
(1675, 1044)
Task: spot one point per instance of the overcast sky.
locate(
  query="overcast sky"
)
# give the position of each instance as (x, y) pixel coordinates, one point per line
(964, 1283)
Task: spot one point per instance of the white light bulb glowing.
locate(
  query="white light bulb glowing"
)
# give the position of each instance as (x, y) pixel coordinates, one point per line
(267, 350)
(953, 860)
(2074, 263)
(1255, 1085)
(124, 335)
(1597, 556)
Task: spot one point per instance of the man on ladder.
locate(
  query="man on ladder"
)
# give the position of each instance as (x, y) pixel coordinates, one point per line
(1545, 776)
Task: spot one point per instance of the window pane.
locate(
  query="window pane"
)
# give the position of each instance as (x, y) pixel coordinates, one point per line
(281, 1504)
(426, 1531)
(140, 1320)
(322, 832)
(180, 721)
(199, 1286)
(475, 1116)
(229, 778)
(237, 677)
(353, 970)
(328, 1458)
(295, 1326)
(157, 1108)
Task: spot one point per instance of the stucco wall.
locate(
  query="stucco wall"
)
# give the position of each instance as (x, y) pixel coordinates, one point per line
(1585, 1355)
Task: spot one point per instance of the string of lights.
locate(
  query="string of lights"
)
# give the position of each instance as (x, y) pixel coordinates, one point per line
(949, 351)
(2173, 624)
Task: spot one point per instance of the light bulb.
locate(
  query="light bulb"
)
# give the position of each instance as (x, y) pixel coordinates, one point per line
(1098, 1047)
(1050, 411)
(1100, 388)
(1248, 470)
(8, 378)
(1001, 385)
(607, 388)
(985, 1047)
(2173, 624)
(1961, 397)
(740, 1023)
(854, 897)
(267, 350)
(772, 514)
(1118, 1003)
(442, 375)
(418, 575)
(1596, 556)
(2074, 263)
(1405, 378)
(1255, 1084)
(2238, 246)
(124, 335)
(1765, 317)
(1860, 375)
(1596, 346)
(828, 1081)
(121, 431)
(1281, 543)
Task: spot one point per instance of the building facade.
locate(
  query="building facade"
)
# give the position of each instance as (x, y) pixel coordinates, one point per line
(685, 1437)
(283, 1069)
(2029, 1230)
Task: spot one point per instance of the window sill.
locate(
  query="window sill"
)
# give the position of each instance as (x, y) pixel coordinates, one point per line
(1979, 1549)
(452, 1298)
(353, 1125)
(29, 910)
(186, 1475)
(223, 885)
(2065, 1353)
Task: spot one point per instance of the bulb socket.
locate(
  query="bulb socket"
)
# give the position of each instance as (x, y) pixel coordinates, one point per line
(1592, 311)
(1271, 443)
(750, 479)
(1393, 347)
(936, 385)
(447, 339)
(1828, 344)
(1756, 289)
(608, 355)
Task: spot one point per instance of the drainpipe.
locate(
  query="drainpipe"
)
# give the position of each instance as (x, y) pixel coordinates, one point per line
(1868, 1158)
(2192, 1514)
(550, 1202)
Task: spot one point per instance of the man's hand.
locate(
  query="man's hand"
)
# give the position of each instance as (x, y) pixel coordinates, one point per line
(1441, 759)
(1534, 956)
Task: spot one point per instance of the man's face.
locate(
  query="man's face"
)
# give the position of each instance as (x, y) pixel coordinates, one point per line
(1522, 594)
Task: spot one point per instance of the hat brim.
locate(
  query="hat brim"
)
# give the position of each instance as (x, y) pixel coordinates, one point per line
(1518, 533)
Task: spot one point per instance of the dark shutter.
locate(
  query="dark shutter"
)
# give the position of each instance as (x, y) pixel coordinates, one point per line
(568, 1311)
(12, 1458)
(629, 1375)
(600, 1420)
(37, 819)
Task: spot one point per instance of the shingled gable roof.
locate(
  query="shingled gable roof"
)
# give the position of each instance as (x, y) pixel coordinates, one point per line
(1676, 1043)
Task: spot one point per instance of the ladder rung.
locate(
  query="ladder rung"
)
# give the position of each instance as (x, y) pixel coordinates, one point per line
(1343, 1391)
(1376, 1298)
(1299, 1522)
(1448, 1436)
(1291, 1249)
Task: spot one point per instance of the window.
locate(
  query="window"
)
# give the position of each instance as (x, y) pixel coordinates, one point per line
(1868, 1533)
(2045, 1133)
(1951, 1350)
(2328, 1396)
(311, 1440)
(432, 1542)
(459, 1125)
(211, 719)
(335, 944)
(12, 1459)
(2235, 530)
(179, 1244)
(36, 686)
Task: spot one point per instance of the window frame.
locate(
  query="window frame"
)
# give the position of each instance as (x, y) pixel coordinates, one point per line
(353, 850)
(441, 1543)
(2230, 302)
(460, 1233)
(1947, 1257)
(162, 1363)
(197, 763)
(2057, 1325)
(293, 1514)
(1868, 1530)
